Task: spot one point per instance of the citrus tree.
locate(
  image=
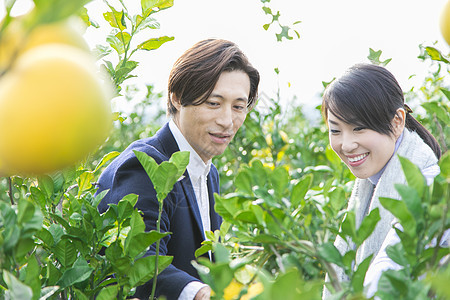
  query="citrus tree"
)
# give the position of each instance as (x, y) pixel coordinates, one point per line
(283, 189)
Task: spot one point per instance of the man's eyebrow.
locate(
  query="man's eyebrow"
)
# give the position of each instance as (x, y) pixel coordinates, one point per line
(215, 95)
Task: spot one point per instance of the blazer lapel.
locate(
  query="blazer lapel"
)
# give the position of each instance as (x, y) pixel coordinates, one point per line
(192, 202)
(216, 220)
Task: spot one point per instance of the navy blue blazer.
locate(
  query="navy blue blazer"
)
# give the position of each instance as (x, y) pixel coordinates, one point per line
(180, 215)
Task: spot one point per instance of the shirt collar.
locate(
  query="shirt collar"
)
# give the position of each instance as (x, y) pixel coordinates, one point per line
(196, 166)
(374, 178)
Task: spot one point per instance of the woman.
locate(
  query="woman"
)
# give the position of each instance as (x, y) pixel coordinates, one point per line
(369, 124)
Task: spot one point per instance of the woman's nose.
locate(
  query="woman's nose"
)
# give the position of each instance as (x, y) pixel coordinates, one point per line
(349, 143)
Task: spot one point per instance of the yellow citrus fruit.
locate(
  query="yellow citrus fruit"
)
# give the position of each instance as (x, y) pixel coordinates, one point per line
(54, 110)
(15, 40)
(445, 22)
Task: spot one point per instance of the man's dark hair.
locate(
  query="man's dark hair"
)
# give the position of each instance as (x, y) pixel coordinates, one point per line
(195, 74)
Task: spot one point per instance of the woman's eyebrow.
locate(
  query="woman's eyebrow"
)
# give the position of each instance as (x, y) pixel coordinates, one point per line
(333, 122)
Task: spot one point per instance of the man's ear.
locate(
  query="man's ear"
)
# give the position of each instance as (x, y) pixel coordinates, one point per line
(398, 122)
(175, 101)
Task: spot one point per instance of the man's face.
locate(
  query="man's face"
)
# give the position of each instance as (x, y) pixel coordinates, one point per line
(210, 126)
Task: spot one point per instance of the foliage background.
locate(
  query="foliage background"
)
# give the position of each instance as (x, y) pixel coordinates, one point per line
(280, 182)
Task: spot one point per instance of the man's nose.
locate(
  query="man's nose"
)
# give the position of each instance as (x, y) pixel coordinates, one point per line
(225, 117)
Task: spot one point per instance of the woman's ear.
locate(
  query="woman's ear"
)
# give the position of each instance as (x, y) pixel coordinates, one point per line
(398, 122)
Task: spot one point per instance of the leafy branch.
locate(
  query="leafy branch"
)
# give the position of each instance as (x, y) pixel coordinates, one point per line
(285, 29)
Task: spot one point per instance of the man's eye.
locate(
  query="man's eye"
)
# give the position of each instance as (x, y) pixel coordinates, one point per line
(212, 103)
(359, 128)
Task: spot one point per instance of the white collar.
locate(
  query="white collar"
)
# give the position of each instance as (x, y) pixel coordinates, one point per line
(196, 166)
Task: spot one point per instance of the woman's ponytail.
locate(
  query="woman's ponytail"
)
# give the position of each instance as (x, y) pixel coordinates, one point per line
(413, 125)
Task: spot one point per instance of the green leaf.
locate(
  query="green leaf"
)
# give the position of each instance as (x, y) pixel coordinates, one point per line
(436, 54)
(85, 182)
(438, 108)
(117, 45)
(374, 58)
(52, 274)
(445, 92)
(45, 183)
(392, 283)
(45, 236)
(163, 176)
(151, 6)
(400, 211)
(65, 252)
(136, 244)
(246, 216)
(243, 183)
(283, 34)
(125, 209)
(444, 165)
(348, 227)
(337, 198)
(16, 289)
(47, 292)
(267, 10)
(266, 239)
(115, 18)
(203, 249)
(32, 275)
(107, 157)
(25, 212)
(74, 275)
(155, 43)
(181, 161)
(144, 269)
(24, 246)
(329, 252)
(360, 274)
(108, 292)
(397, 254)
(367, 226)
(221, 254)
(300, 189)
(412, 200)
(283, 287)
(143, 23)
(47, 11)
(413, 175)
(124, 38)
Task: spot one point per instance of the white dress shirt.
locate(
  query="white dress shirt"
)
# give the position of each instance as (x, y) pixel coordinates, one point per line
(198, 171)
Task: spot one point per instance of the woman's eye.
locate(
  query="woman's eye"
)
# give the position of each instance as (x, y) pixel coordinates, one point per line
(334, 131)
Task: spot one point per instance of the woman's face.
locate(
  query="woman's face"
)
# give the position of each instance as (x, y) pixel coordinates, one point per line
(363, 150)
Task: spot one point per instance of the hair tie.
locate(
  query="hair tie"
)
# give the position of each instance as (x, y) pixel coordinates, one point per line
(407, 108)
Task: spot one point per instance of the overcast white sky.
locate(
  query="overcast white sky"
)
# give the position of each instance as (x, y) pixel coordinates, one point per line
(335, 34)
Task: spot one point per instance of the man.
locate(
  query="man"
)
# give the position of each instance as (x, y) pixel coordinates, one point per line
(211, 88)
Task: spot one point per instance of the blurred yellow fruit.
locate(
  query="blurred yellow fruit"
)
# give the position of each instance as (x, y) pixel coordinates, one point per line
(445, 22)
(232, 291)
(15, 39)
(54, 110)
(253, 290)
